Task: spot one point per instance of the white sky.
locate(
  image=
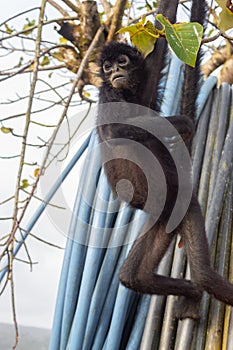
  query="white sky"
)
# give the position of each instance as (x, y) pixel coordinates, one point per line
(35, 291)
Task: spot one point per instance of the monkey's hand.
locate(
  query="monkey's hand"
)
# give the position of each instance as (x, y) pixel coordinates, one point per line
(184, 126)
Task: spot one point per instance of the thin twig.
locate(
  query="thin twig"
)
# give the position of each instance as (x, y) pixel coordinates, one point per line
(18, 213)
(21, 165)
(30, 63)
(23, 31)
(136, 19)
(18, 15)
(26, 262)
(26, 250)
(107, 7)
(63, 116)
(71, 5)
(44, 202)
(42, 240)
(20, 98)
(7, 200)
(216, 36)
(59, 8)
(26, 70)
(212, 38)
(70, 138)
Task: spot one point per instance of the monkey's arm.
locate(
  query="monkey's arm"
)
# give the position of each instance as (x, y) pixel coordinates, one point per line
(143, 129)
(184, 126)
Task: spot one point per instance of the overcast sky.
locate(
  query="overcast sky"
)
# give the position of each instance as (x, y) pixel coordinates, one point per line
(35, 291)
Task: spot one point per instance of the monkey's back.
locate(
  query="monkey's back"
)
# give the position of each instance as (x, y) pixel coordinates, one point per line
(139, 168)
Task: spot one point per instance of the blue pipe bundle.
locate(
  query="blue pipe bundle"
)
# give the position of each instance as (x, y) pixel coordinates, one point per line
(93, 310)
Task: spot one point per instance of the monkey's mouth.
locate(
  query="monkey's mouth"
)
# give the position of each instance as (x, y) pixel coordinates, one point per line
(118, 76)
(119, 81)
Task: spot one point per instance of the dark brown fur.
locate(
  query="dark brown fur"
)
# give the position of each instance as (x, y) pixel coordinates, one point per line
(138, 269)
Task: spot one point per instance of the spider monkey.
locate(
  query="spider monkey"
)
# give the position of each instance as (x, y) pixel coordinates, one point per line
(122, 69)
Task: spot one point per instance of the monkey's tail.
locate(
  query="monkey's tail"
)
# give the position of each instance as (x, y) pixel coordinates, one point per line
(155, 61)
(192, 75)
(219, 287)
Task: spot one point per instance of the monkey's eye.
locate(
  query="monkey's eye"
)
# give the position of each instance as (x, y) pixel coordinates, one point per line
(123, 60)
(107, 66)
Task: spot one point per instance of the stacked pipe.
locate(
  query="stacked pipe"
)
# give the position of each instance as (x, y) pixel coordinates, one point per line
(93, 310)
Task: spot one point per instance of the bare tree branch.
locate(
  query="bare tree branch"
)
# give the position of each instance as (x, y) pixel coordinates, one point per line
(71, 5)
(18, 15)
(107, 8)
(22, 157)
(118, 12)
(59, 8)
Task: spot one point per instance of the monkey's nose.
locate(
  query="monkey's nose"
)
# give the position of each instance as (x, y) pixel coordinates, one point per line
(116, 68)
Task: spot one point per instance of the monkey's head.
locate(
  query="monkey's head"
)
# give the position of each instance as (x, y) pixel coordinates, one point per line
(121, 66)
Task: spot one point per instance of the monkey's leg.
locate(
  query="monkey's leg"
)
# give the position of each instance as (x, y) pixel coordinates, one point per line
(137, 271)
(196, 244)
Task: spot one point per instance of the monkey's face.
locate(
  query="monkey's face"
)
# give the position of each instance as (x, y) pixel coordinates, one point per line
(121, 67)
(116, 72)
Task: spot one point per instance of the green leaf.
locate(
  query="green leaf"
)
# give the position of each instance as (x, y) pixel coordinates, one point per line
(183, 38)
(86, 94)
(24, 184)
(8, 29)
(226, 16)
(142, 35)
(6, 130)
(19, 64)
(63, 41)
(58, 56)
(45, 61)
(28, 26)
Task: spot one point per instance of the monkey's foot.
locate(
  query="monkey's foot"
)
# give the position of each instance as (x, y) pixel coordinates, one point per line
(188, 308)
